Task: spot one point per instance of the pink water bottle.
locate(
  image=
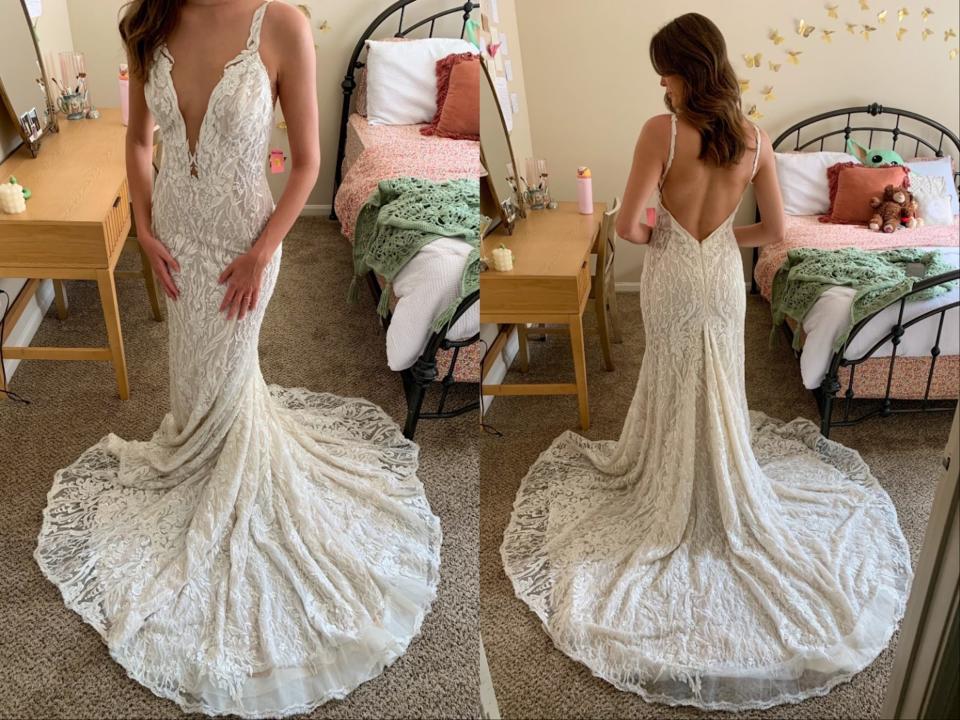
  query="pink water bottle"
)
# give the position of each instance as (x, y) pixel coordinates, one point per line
(584, 191)
(124, 81)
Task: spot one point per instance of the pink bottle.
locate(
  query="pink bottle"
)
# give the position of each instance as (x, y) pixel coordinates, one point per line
(124, 81)
(584, 191)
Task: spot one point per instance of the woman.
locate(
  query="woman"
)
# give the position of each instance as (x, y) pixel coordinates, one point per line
(711, 556)
(268, 549)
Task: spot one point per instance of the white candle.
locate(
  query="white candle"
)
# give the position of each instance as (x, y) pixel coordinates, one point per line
(502, 259)
(11, 198)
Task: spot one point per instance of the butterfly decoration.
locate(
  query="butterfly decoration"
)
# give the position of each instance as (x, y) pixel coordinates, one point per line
(767, 93)
(324, 25)
(774, 66)
(281, 124)
(794, 56)
(901, 32)
(947, 34)
(305, 10)
(867, 29)
(804, 29)
(753, 113)
(925, 13)
(851, 28)
(832, 11)
(927, 32)
(902, 13)
(492, 48)
(864, 5)
(744, 85)
(827, 34)
(753, 61)
(775, 37)
(954, 53)
(881, 17)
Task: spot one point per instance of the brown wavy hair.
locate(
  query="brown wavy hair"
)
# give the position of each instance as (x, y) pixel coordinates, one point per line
(692, 47)
(144, 25)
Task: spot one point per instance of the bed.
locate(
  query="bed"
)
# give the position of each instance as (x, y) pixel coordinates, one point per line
(370, 153)
(906, 356)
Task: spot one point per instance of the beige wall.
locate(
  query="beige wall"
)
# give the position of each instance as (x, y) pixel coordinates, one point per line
(94, 27)
(590, 87)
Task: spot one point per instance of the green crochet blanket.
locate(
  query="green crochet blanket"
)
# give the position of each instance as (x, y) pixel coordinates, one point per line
(404, 214)
(879, 278)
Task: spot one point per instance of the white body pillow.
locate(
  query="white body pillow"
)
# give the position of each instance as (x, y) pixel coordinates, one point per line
(803, 180)
(402, 78)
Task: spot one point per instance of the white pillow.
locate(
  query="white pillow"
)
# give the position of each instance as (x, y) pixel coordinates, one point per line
(402, 78)
(803, 180)
(933, 197)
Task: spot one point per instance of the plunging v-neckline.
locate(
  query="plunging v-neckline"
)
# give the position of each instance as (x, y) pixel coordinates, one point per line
(192, 153)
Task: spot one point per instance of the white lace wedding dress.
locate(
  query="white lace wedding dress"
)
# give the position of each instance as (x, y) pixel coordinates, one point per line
(712, 556)
(268, 549)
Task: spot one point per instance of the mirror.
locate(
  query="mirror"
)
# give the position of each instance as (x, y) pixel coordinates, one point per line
(23, 81)
(497, 156)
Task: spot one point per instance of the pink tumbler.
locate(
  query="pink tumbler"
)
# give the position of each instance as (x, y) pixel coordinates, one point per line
(584, 191)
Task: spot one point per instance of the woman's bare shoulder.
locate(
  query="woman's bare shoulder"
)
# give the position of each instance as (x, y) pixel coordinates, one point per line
(285, 24)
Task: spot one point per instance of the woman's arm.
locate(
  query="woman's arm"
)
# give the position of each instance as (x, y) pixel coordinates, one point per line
(649, 160)
(766, 187)
(139, 161)
(297, 91)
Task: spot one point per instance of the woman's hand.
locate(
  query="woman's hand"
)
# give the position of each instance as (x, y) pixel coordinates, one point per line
(162, 263)
(244, 276)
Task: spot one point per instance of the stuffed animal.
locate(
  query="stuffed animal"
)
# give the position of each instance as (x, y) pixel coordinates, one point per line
(873, 157)
(890, 208)
(909, 216)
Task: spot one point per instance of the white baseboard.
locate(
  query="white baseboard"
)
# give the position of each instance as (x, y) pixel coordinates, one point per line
(323, 210)
(498, 371)
(29, 322)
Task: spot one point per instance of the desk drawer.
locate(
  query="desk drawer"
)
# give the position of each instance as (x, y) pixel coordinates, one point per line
(116, 226)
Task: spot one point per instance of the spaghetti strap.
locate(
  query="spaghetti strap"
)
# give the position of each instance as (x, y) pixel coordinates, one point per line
(756, 157)
(253, 41)
(673, 144)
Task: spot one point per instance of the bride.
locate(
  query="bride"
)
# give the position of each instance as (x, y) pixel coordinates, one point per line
(268, 548)
(712, 556)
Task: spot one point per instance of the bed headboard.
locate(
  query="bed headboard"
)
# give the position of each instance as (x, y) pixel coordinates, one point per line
(395, 13)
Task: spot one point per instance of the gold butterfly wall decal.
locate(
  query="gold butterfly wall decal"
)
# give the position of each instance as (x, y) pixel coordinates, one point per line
(804, 29)
(753, 113)
(947, 34)
(827, 34)
(902, 13)
(324, 25)
(925, 13)
(281, 124)
(881, 17)
(864, 5)
(768, 93)
(304, 9)
(775, 37)
(774, 66)
(744, 85)
(867, 29)
(954, 53)
(927, 32)
(832, 11)
(794, 56)
(852, 28)
(753, 61)
(901, 32)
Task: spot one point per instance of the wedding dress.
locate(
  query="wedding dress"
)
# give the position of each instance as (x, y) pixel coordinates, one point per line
(269, 548)
(712, 556)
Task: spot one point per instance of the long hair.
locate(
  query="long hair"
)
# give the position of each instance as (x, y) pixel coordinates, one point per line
(144, 25)
(692, 47)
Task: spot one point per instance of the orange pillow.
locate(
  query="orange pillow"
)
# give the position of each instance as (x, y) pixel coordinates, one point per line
(445, 68)
(460, 117)
(855, 185)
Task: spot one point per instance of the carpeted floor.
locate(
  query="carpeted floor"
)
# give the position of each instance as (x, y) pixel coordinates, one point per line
(535, 680)
(55, 666)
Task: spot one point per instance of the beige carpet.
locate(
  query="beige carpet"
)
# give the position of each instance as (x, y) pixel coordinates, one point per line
(535, 680)
(52, 664)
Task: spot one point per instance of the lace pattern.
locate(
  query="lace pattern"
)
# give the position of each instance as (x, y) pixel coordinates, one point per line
(711, 556)
(268, 548)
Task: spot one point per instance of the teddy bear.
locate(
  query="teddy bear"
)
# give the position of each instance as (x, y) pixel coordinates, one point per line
(910, 216)
(889, 209)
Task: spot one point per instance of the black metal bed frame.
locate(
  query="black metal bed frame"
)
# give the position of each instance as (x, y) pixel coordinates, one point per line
(418, 378)
(826, 394)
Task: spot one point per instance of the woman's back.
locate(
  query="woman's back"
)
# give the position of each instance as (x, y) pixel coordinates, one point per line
(700, 196)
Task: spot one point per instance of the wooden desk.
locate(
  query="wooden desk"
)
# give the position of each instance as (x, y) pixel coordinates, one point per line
(75, 227)
(549, 283)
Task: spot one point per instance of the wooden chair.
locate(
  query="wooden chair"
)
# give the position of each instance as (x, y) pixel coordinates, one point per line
(602, 292)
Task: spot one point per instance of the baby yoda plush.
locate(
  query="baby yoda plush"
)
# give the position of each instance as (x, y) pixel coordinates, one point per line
(873, 157)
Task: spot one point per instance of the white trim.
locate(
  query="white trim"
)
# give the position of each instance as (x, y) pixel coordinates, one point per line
(498, 371)
(316, 210)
